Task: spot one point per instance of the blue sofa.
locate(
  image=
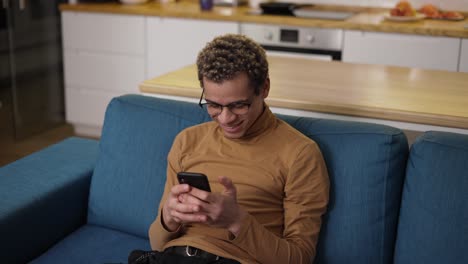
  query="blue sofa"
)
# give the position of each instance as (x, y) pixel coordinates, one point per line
(84, 201)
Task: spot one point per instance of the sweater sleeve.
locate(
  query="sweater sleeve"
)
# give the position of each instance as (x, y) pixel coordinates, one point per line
(158, 234)
(305, 201)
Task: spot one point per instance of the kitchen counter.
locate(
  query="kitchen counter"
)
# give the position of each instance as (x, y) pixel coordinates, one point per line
(436, 98)
(366, 19)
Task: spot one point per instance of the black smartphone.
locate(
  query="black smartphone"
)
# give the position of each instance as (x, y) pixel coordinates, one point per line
(194, 179)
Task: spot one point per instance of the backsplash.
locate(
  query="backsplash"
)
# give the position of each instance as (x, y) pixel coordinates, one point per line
(454, 5)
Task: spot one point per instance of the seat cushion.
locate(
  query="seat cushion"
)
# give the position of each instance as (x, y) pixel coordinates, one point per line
(93, 244)
(366, 165)
(433, 226)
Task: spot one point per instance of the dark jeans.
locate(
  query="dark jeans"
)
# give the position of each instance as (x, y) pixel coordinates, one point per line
(155, 257)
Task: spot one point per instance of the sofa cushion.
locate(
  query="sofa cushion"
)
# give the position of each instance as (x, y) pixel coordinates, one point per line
(130, 173)
(366, 165)
(93, 244)
(433, 226)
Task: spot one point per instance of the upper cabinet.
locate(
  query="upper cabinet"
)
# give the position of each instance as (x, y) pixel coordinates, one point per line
(464, 56)
(427, 52)
(174, 42)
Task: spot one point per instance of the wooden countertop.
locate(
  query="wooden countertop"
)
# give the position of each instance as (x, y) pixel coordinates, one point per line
(366, 19)
(411, 95)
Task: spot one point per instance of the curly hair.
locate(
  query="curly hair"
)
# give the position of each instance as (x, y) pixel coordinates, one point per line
(227, 56)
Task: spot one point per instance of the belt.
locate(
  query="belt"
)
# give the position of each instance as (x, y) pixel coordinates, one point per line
(188, 251)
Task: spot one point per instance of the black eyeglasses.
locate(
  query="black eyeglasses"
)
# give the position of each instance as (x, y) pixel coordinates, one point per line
(214, 109)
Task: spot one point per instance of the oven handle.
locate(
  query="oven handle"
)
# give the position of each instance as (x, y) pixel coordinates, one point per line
(335, 54)
(282, 54)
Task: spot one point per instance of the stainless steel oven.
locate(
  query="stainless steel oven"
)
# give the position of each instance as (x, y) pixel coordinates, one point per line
(290, 41)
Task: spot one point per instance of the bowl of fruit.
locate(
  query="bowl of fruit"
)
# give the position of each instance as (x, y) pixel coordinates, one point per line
(404, 12)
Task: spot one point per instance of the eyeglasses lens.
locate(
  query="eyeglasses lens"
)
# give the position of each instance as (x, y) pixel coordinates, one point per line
(237, 109)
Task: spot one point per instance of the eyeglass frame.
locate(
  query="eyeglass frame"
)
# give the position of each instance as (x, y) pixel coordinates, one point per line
(228, 106)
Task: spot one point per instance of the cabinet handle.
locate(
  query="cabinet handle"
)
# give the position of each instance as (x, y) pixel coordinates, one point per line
(22, 4)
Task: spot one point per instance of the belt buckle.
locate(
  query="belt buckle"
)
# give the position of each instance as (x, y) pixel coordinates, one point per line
(194, 254)
(187, 251)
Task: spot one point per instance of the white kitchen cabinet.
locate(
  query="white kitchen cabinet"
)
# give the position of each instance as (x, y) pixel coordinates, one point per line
(427, 52)
(463, 67)
(173, 42)
(104, 57)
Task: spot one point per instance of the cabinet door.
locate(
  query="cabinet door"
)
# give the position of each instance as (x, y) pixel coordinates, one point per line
(174, 43)
(85, 109)
(103, 72)
(108, 33)
(104, 57)
(428, 52)
(464, 56)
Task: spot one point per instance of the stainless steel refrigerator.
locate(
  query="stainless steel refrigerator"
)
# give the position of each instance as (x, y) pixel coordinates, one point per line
(31, 69)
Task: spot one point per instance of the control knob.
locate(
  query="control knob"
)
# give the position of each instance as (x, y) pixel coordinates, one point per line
(310, 38)
(268, 35)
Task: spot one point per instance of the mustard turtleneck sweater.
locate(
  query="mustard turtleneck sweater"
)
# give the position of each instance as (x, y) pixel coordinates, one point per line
(281, 180)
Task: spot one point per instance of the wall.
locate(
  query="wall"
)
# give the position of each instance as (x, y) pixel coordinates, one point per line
(456, 5)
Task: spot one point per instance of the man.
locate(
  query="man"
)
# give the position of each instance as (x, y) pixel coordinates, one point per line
(269, 182)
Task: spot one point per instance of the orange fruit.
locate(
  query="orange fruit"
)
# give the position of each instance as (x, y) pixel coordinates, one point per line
(430, 11)
(403, 8)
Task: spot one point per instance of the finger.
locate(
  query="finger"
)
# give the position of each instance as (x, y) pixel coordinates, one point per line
(189, 218)
(179, 189)
(186, 208)
(229, 188)
(181, 198)
(201, 195)
(188, 198)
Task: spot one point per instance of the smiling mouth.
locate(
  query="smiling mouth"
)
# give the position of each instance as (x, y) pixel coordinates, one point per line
(232, 128)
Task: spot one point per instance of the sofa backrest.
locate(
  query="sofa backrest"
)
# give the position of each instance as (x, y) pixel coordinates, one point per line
(366, 163)
(130, 173)
(433, 225)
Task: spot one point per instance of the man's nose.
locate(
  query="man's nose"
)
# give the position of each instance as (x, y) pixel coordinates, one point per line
(226, 116)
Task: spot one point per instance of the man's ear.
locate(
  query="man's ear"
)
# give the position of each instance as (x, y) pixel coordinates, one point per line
(266, 88)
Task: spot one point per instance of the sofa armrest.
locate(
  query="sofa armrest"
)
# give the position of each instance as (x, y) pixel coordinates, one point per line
(44, 197)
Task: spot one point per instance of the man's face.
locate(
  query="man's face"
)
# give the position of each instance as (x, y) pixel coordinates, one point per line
(234, 91)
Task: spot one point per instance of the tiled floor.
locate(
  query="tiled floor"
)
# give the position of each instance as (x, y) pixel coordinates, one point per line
(11, 151)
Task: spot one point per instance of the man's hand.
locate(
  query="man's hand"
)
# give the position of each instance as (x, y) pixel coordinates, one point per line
(174, 213)
(214, 209)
